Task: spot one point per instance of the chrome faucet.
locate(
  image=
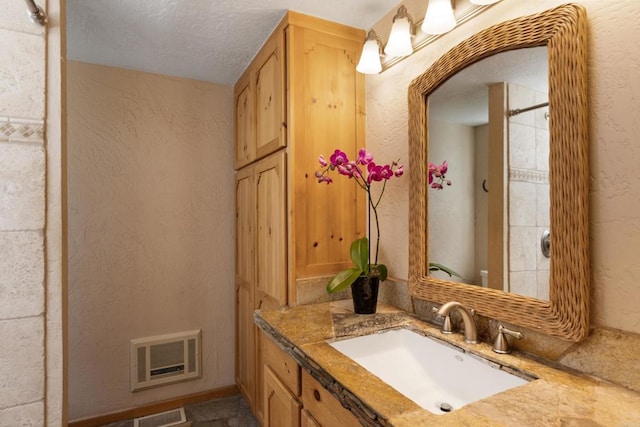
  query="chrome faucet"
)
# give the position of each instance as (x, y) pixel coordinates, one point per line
(470, 330)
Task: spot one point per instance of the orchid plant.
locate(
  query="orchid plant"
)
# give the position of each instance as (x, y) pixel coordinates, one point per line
(365, 172)
(437, 175)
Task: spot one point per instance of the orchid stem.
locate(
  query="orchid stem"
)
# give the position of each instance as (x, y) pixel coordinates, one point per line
(369, 228)
(375, 214)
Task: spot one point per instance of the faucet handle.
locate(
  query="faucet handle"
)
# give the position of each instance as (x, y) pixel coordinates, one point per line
(447, 328)
(501, 345)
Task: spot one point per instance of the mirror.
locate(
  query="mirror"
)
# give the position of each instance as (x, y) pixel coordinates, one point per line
(562, 31)
(459, 215)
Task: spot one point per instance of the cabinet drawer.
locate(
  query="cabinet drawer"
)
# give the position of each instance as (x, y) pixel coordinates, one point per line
(325, 408)
(283, 365)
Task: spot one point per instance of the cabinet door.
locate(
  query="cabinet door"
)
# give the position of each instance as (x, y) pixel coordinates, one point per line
(270, 96)
(327, 113)
(244, 122)
(281, 409)
(244, 273)
(245, 226)
(271, 232)
(245, 344)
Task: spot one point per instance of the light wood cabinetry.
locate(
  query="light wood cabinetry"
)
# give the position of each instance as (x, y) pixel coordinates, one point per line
(300, 97)
(260, 104)
(281, 408)
(260, 260)
(327, 113)
(269, 78)
(271, 202)
(246, 378)
(292, 397)
(279, 404)
(244, 121)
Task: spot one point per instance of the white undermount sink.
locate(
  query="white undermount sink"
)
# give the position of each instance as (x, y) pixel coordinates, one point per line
(437, 377)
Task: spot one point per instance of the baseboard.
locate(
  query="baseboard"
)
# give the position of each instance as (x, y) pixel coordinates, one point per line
(154, 408)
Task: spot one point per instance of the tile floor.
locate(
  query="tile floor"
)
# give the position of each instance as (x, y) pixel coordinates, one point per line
(230, 411)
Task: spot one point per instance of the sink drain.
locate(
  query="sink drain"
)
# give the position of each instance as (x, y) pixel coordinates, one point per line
(445, 407)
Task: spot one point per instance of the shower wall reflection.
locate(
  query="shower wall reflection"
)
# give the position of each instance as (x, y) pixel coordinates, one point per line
(528, 199)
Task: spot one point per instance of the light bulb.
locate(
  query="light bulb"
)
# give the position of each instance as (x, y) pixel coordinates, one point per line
(439, 18)
(370, 58)
(399, 43)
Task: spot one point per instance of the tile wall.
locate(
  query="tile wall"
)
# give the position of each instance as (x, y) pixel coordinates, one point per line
(22, 217)
(528, 193)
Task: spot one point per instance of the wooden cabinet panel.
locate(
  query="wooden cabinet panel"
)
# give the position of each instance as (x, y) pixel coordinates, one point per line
(245, 226)
(245, 344)
(288, 226)
(244, 122)
(327, 114)
(245, 266)
(281, 409)
(281, 364)
(271, 232)
(270, 97)
(326, 409)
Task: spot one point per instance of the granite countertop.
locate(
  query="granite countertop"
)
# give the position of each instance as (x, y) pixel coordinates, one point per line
(556, 398)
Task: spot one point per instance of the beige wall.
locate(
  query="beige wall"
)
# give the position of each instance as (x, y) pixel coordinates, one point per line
(31, 325)
(452, 230)
(150, 184)
(614, 73)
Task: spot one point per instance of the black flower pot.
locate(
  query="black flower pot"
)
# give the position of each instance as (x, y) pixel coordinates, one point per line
(364, 292)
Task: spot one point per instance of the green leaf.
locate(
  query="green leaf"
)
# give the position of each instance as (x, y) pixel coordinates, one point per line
(343, 280)
(379, 270)
(360, 253)
(434, 266)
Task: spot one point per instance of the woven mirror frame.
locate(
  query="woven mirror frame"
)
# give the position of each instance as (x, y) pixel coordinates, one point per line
(563, 31)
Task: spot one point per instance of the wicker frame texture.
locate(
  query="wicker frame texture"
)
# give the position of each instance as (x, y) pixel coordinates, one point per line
(566, 314)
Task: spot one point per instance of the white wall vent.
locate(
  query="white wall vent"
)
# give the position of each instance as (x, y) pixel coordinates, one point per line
(162, 419)
(165, 359)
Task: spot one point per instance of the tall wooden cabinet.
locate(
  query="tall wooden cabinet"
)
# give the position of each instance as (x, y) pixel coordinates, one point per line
(300, 97)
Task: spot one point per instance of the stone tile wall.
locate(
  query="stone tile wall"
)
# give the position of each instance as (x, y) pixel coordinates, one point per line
(22, 217)
(528, 193)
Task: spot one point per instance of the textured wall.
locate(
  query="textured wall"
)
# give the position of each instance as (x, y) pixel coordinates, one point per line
(150, 183)
(614, 73)
(22, 218)
(452, 230)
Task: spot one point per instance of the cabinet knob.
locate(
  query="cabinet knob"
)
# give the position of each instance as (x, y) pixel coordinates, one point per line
(316, 395)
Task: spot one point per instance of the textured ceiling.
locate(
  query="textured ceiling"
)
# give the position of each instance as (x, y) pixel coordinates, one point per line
(210, 40)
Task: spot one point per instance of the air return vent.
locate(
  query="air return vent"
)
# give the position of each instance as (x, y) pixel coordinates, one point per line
(163, 419)
(165, 359)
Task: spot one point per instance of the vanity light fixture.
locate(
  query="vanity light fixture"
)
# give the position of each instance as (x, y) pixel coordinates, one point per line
(404, 38)
(439, 18)
(402, 31)
(371, 52)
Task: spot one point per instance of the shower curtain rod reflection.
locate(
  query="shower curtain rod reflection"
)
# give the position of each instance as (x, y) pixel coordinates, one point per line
(36, 14)
(517, 111)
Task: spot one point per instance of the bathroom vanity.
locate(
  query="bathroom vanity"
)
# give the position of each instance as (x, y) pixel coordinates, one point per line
(302, 378)
(318, 381)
